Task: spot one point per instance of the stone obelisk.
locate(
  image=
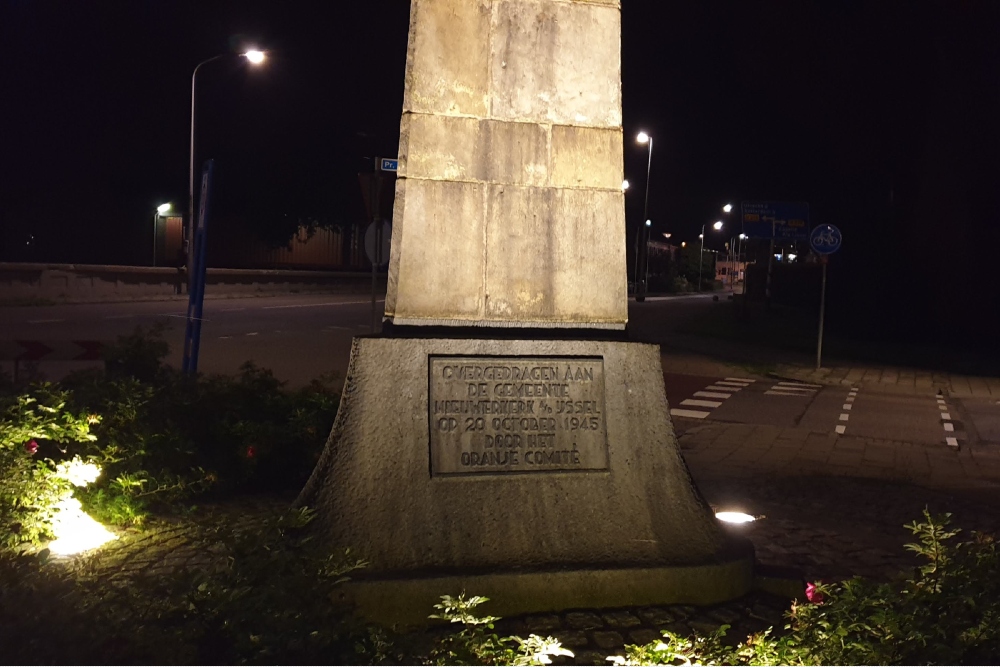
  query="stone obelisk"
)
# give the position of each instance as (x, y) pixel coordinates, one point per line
(502, 438)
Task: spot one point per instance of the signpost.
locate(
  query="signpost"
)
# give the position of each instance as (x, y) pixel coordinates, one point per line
(378, 232)
(825, 240)
(196, 294)
(786, 221)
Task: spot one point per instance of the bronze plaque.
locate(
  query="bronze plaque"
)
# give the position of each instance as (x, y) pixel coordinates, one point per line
(492, 415)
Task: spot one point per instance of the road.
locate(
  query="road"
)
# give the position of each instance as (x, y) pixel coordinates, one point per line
(301, 337)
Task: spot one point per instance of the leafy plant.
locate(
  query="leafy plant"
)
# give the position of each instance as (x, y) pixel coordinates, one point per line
(32, 486)
(477, 644)
(948, 612)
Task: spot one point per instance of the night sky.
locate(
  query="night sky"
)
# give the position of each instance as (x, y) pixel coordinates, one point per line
(882, 115)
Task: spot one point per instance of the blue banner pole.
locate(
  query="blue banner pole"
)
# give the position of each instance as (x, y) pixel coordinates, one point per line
(196, 295)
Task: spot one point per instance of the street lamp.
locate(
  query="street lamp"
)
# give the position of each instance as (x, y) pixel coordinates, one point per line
(716, 226)
(641, 250)
(254, 57)
(162, 209)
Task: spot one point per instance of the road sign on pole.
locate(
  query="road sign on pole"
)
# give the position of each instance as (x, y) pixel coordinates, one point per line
(388, 164)
(196, 295)
(825, 240)
(787, 221)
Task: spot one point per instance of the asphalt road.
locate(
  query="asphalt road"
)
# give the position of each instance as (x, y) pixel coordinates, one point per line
(301, 337)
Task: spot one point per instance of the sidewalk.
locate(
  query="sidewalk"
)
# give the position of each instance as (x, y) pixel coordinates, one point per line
(895, 380)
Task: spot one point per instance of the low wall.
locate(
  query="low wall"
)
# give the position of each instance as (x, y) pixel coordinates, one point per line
(86, 283)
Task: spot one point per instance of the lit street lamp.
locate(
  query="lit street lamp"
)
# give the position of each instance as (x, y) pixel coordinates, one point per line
(717, 226)
(254, 57)
(161, 210)
(642, 251)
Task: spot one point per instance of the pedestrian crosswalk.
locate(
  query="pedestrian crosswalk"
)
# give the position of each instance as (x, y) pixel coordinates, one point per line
(711, 397)
(793, 389)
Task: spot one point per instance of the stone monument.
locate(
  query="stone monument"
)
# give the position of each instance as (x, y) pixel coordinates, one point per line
(502, 437)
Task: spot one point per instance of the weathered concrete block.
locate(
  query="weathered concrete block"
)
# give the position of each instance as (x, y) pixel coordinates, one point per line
(441, 225)
(447, 65)
(586, 157)
(556, 62)
(561, 236)
(469, 149)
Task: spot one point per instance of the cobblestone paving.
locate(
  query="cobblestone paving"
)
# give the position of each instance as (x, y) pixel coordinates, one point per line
(819, 527)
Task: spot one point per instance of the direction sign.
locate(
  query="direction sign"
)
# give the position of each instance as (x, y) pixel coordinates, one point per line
(780, 220)
(389, 164)
(383, 257)
(825, 239)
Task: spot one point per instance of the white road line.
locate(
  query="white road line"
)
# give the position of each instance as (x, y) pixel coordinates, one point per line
(715, 387)
(771, 392)
(844, 417)
(44, 321)
(952, 442)
(321, 305)
(747, 380)
(711, 394)
(841, 428)
(792, 390)
(948, 426)
(850, 399)
(701, 404)
(224, 337)
(693, 414)
(254, 333)
(847, 406)
(946, 416)
(800, 384)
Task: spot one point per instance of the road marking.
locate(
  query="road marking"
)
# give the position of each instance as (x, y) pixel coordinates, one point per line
(952, 442)
(44, 321)
(946, 416)
(771, 392)
(948, 426)
(730, 383)
(947, 423)
(715, 387)
(693, 414)
(701, 404)
(711, 394)
(847, 406)
(252, 334)
(224, 337)
(841, 428)
(746, 380)
(321, 305)
(844, 417)
(800, 384)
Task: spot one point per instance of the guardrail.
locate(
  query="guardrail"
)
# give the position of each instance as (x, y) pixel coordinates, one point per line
(88, 283)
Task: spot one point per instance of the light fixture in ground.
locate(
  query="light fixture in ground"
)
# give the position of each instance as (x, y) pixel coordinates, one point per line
(734, 517)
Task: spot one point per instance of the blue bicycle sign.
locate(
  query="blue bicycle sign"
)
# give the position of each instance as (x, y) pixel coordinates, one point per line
(825, 239)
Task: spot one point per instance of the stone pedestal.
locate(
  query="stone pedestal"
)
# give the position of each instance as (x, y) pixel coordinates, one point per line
(544, 474)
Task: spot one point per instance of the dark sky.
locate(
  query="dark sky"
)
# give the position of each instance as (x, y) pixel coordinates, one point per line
(882, 115)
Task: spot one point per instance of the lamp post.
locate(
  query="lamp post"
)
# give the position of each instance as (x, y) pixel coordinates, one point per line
(254, 57)
(716, 226)
(161, 210)
(642, 250)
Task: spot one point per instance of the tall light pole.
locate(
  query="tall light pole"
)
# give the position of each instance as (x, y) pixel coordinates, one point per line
(641, 244)
(717, 226)
(254, 57)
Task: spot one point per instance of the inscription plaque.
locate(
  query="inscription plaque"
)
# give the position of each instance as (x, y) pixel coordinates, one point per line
(516, 414)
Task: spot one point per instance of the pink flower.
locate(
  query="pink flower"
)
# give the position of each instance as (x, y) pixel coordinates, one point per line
(812, 594)
(251, 452)
(31, 447)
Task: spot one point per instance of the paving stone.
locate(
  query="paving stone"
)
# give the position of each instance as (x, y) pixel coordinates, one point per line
(683, 610)
(542, 623)
(644, 636)
(583, 620)
(723, 615)
(572, 639)
(620, 619)
(593, 657)
(703, 627)
(608, 639)
(655, 616)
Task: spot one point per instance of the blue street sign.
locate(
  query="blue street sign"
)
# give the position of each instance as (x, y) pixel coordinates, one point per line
(781, 220)
(389, 164)
(825, 239)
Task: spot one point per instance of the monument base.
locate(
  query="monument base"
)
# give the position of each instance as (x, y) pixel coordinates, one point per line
(544, 474)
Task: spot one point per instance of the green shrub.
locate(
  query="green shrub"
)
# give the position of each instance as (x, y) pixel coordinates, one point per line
(948, 612)
(31, 484)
